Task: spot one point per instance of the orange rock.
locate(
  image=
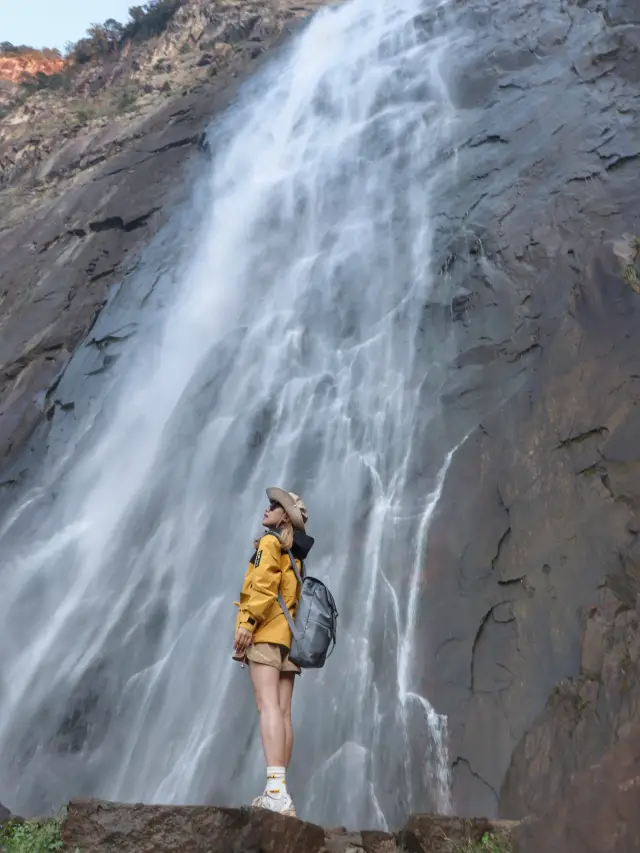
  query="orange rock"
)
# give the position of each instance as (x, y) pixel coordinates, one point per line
(16, 68)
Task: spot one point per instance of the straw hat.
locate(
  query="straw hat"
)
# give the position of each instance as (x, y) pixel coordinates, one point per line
(292, 504)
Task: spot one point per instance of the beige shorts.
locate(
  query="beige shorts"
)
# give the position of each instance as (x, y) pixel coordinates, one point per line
(270, 654)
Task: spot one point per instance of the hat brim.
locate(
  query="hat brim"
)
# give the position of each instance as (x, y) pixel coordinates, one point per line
(283, 498)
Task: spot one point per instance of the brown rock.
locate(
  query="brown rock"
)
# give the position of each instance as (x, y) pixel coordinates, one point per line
(378, 842)
(98, 827)
(599, 810)
(26, 64)
(434, 834)
(343, 841)
(93, 826)
(593, 648)
(584, 717)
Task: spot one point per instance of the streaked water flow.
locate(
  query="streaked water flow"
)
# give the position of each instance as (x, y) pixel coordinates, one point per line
(291, 351)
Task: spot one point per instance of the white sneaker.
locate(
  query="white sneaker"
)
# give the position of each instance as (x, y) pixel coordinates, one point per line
(281, 805)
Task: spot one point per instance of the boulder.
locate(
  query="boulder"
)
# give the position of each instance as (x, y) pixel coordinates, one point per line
(94, 826)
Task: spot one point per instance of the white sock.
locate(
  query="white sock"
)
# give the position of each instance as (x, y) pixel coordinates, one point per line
(276, 782)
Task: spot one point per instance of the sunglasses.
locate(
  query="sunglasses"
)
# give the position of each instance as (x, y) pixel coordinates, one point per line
(273, 505)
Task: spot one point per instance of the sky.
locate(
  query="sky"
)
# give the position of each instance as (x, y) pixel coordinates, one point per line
(52, 23)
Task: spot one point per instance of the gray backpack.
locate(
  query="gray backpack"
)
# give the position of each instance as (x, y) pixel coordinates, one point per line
(314, 631)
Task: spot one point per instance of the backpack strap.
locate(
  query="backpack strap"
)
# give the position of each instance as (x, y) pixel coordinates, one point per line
(285, 609)
(287, 615)
(281, 601)
(291, 557)
(294, 566)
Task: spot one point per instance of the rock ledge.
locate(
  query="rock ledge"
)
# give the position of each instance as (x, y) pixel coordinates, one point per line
(95, 826)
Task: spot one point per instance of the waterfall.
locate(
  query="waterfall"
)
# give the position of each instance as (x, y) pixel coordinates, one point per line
(287, 346)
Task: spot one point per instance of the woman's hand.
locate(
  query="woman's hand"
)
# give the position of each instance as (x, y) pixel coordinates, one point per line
(242, 640)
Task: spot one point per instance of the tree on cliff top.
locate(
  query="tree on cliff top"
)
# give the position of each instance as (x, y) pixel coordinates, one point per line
(151, 18)
(101, 40)
(144, 22)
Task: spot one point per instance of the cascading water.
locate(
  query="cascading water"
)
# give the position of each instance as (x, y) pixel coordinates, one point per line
(291, 352)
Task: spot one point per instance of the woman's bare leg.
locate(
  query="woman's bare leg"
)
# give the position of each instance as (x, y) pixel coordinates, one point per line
(265, 680)
(285, 688)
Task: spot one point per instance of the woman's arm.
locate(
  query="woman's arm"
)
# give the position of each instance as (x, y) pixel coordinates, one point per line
(265, 584)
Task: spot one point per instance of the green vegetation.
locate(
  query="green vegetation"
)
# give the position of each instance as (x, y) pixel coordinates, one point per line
(581, 704)
(127, 100)
(31, 837)
(629, 271)
(8, 49)
(145, 21)
(36, 82)
(84, 115)
(489, 843)
(630, 276)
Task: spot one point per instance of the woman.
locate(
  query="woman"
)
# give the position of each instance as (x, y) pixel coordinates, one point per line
(263, 636)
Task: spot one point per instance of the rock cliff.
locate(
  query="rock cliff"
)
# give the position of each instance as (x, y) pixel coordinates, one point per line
(532, 562)
(538, 244)
(577, 769)
(87, 175)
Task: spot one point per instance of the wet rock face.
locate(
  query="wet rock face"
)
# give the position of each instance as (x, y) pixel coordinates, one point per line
(63, 247)
(96, 827)
(586, 718)
(85, 184)
(539, 512)
(599, 809)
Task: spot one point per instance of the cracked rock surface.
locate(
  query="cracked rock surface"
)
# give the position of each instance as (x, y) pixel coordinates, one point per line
(537, 247)
(577, 769)
(585, 716)
(78, 198)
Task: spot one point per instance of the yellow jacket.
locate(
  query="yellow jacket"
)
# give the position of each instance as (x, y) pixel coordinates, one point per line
(269, 571)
